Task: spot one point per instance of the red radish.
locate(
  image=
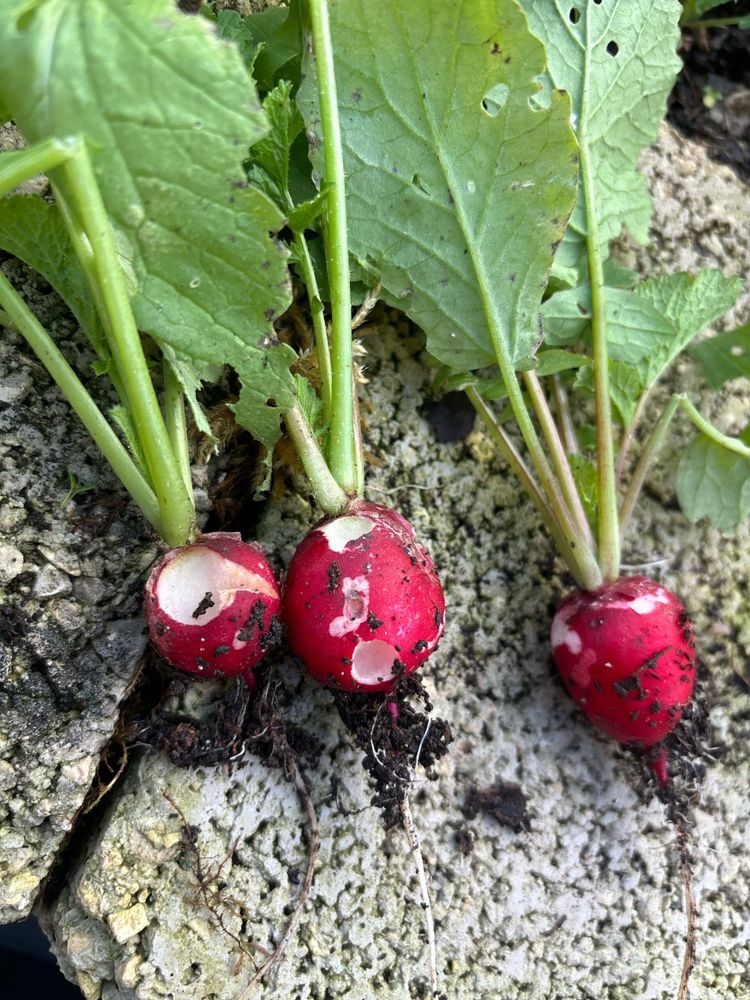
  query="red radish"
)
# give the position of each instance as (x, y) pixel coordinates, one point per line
(627, 657)
(212, 607)
(362, 602)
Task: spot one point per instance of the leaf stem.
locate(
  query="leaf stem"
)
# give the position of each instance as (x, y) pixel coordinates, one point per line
(629, 436)
(82, 192)
(564, 419)
(508, 449)
(655, 440)
(707, 428)
(20, 165)
(322, 347)
(608, 522)
(18, 315)
(559, 457)
(342, 449)
(329, 495)
(650, 448)
(176, 423)
(573, 546)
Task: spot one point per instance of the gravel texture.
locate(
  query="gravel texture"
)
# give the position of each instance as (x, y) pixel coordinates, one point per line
(70, 638)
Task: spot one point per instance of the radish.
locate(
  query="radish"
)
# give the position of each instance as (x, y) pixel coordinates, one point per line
(212, 607)
(362, 602)
(627, 657)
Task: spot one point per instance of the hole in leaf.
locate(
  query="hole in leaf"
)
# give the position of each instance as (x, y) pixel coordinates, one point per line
(495, 100)
(271, 402)
(574, 16)
(613, 48)
(597, 2)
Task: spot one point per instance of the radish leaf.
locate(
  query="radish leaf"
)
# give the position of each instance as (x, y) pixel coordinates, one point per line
(725, 356)
(689, 303)
(618, 61)
(634, 326)
(625, 387)
(459, 184)
(33, 230)
(714, 482)
(554, 361)
(168, 159)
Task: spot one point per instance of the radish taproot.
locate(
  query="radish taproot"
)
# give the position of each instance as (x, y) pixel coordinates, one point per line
(212, 607)
(362, 603)
(627, 657)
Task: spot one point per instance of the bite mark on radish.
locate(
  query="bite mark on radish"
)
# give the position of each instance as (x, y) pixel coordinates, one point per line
(356, 606)
(372, 613)
(343, 530)
(373, 662)
(212, 607)
(198, 584)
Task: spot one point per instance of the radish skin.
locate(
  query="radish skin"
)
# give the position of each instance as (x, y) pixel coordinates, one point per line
(362, 603)
(627, 657)
(212, 607)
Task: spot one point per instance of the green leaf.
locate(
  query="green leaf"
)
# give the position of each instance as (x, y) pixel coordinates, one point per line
(312, 407)
(278, 32)
(301, 217)
(697, 8)
(566, 316)
(725, 356)
(554, 361)
(459, 185)
(625, 387)
(191, 379)
(168, 158)
(617, 60)
(584, 473)
(33, 230)
(635, 327)
(714, 482)
(689, 303)
(272, 152)
(235, 28)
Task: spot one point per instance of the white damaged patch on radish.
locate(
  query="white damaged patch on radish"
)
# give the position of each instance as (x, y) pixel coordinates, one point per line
(343, 530)
(198, 584)
(356, 606)
(646, 604)
(212, 607)
(564, 635)
(373, 661)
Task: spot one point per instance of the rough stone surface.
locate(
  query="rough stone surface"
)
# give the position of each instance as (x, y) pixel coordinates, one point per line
(70, 639)
(588, 903)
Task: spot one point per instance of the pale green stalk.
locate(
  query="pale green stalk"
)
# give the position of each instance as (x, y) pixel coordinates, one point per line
(341, 449)
(326, 490)
(81, 192)
(609, 527)
(176, 423)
